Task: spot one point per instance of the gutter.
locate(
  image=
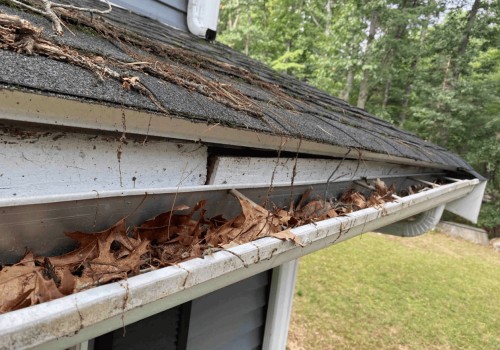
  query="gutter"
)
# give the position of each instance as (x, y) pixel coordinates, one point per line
(68, 321)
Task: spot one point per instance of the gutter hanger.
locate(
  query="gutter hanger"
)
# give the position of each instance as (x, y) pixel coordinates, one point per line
(67, 321)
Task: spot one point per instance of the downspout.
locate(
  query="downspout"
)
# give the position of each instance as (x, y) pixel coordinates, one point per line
(202, 17)
(416, 226)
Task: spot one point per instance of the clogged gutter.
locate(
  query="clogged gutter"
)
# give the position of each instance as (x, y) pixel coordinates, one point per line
(180, 234)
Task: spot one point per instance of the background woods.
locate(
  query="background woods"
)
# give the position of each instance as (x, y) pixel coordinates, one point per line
(430, 66)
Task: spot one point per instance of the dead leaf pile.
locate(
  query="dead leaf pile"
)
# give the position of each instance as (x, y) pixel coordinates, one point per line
(174, 236)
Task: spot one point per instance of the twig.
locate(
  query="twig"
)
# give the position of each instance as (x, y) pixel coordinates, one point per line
(334, 171)
(84, 9)
(48, 12)
(294, 174)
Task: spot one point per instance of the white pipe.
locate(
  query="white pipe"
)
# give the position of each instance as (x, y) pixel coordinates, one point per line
(202, 16)
(424, 222)
(279, 309)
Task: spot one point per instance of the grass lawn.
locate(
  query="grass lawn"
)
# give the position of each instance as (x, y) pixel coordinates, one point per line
(384, 292)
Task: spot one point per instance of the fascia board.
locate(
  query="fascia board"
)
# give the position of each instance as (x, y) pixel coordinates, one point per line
(65, 322)
(21, 106)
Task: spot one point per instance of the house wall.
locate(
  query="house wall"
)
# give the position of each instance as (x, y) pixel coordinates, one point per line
(230, 318)
(171, 12)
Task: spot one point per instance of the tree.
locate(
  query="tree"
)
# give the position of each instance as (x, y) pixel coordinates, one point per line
(431, 66)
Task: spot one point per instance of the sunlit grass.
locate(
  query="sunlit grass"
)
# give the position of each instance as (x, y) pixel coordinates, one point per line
(375, 291)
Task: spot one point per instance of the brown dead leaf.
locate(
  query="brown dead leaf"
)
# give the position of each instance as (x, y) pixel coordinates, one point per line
(170, 227)
(68, 281)
(380, 187)
(354, 198)
(375, 200)
(16, 281)
(329, 214)
(20, 301)
(314, 210)
(129, 82)
(254, 222)
(45, 290)
(287, 235)
(118, 255)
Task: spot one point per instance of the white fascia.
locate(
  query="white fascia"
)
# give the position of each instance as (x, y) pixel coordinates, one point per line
(20, 106)
(71, 320)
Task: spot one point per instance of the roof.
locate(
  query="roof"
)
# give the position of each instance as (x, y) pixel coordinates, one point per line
(188, 77)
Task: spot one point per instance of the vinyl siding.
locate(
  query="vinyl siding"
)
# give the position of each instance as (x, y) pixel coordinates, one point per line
(230, 318)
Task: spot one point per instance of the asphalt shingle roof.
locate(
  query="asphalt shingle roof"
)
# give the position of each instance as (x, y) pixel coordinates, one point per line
(286, 106)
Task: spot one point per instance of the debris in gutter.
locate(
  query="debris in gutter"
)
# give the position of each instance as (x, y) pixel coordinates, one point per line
(172, 237)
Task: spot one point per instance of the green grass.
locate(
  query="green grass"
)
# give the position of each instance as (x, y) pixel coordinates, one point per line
(383, 292)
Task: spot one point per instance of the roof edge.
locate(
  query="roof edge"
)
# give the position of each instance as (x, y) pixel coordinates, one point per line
(22, 106)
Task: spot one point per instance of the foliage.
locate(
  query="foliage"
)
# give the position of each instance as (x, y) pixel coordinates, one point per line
(432, 66)
(383, 292)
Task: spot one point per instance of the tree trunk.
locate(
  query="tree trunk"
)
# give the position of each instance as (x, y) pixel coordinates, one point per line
(411, 75)
(365, 82)
(348, 85)
(456, 63)
(446, 81)
(247, 34)
(406, 101)
(328, 24)
(386, 91)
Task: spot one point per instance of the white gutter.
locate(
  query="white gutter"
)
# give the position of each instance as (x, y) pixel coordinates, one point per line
(202, 16)
(71, 320)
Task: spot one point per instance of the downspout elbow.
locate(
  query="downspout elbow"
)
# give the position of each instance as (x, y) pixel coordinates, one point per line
(202, 17)
(419, 225)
